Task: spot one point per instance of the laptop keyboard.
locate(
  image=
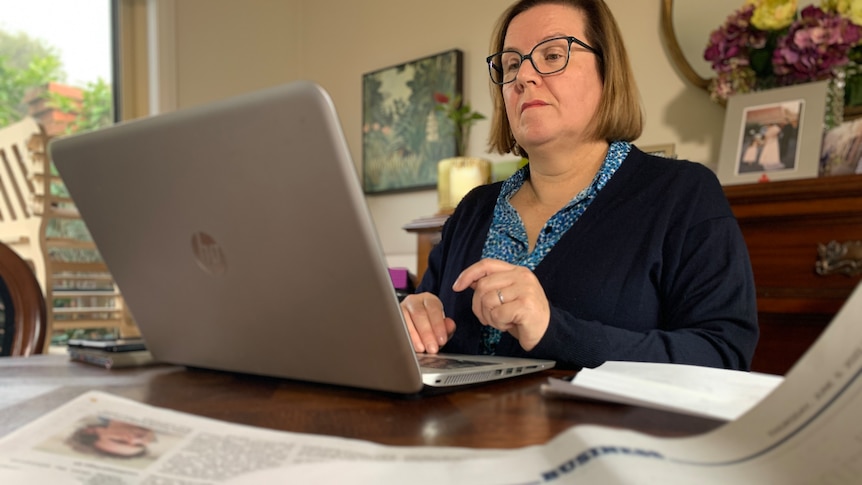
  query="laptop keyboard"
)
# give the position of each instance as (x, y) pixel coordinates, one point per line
(438, 362)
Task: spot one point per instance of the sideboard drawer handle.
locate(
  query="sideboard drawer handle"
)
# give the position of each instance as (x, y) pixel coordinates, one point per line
(838, 258)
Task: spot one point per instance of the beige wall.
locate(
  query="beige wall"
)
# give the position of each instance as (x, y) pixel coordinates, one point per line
(226, 47)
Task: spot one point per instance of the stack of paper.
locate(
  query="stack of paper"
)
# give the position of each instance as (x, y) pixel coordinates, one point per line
(700, 391)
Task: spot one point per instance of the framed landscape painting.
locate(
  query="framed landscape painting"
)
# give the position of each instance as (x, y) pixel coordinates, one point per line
(404, 135)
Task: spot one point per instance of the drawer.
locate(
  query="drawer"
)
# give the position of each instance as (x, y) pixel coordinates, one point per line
(784, 224)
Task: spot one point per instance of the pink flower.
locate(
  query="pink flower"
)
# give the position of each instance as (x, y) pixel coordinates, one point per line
(441, 98)
(746, 58)
(729, 45)
(814, 46)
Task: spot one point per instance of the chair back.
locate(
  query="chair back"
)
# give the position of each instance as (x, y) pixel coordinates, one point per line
(39, 221)
(21, 225)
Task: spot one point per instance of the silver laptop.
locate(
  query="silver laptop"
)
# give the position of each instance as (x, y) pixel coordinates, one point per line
(239, 236)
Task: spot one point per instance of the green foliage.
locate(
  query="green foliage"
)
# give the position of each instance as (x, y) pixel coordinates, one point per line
(461, 115)
(27, 63)
(24, 63)
(20, 49)
(14, 84)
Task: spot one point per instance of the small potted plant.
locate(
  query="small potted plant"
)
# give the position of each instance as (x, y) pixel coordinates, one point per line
(458, 175)
(462, 117)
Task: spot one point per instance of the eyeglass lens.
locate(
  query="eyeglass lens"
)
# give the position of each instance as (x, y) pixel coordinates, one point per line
(547, 57)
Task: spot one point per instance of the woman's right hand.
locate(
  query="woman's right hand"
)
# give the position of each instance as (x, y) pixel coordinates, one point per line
(429, 326)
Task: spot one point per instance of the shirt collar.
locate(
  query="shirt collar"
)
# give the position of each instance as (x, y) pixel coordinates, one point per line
(617, 152)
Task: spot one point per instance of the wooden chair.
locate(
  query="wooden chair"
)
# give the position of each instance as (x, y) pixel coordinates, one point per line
(24, 320)
(41, 223)
(82, 291)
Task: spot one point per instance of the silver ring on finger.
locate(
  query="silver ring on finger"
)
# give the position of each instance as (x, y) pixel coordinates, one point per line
(500, 296)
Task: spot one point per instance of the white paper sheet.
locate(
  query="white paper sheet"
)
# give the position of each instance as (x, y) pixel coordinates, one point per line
(700, 391)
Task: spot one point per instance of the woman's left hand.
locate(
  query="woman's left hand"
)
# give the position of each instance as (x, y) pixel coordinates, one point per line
(509, 298)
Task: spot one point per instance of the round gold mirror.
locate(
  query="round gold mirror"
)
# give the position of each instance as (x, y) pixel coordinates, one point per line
(686, 28)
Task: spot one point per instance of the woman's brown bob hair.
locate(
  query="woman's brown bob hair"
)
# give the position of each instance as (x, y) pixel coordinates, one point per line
(619, 115)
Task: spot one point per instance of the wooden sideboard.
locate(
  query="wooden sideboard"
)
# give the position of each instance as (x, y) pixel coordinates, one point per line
(787, 225)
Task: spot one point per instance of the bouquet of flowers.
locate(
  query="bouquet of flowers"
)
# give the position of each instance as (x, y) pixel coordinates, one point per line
(770, 43)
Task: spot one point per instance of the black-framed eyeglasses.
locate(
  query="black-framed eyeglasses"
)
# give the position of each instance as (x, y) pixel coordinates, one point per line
(548, 57)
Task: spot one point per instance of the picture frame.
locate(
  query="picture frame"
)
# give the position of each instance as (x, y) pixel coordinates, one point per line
(666, 150)
(841, 153)
(404, 134)
(773, 135)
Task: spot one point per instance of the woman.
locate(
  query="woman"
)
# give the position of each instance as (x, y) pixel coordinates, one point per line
(111, 437)
(770, 157)
(751, 156)
(594, 251)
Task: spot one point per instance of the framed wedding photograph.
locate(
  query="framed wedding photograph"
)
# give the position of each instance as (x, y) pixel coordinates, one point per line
(404, 135)
(773, 135)
(667, 150)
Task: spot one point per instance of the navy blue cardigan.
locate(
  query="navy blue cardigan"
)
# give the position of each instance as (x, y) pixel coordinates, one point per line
(655, 270)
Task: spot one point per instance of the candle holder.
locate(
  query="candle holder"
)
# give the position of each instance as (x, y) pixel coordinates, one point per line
(457, 176)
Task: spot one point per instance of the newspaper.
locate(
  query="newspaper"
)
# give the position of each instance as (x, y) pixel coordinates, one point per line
(808, 430)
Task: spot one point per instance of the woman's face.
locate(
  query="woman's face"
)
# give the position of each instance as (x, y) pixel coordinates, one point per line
(553, 111)
(123, 439)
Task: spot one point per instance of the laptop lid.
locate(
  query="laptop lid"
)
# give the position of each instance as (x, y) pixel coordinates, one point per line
(240, 239)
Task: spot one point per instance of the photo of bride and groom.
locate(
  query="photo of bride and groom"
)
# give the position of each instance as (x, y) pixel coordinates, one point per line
(770, 138)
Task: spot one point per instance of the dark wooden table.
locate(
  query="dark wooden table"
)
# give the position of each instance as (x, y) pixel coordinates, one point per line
(505, 414)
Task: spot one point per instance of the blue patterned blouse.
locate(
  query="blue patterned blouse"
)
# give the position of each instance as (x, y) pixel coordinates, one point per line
(507, 237)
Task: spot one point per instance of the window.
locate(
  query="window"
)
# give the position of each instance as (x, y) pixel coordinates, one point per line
(57, 64)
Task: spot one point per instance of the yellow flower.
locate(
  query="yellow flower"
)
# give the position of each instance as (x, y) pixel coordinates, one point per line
(852, 9)
(773, 14)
